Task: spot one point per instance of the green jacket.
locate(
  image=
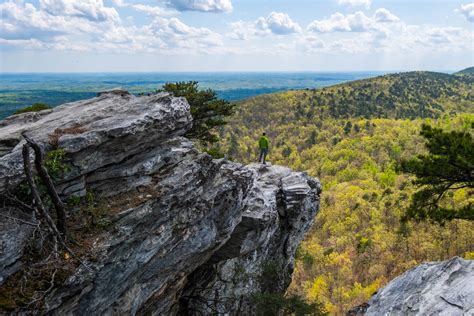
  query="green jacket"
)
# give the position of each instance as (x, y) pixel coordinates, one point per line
(263, 143)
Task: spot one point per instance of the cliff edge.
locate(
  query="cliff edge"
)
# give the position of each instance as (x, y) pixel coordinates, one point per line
(183, 233)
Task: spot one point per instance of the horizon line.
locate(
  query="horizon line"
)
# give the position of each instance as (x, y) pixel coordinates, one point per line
(225, 72)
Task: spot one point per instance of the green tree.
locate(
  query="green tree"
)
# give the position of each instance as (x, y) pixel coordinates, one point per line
(448, 166)
(312, 138)
(347, 127)
(233, 146)
(207, 110)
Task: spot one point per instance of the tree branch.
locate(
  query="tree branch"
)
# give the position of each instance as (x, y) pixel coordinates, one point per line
(43, 174)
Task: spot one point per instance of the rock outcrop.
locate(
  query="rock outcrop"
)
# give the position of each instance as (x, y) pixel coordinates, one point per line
(200, 235)
(434, 288)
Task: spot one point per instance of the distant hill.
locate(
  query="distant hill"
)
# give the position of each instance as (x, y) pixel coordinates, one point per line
(468, 71)
(402, 95)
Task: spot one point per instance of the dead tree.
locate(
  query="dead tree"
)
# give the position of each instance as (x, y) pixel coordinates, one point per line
(59, 234)
(46, 179)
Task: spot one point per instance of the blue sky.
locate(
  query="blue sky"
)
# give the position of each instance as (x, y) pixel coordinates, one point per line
(235, 35)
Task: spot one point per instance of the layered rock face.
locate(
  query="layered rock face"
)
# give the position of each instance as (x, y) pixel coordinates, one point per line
(203, 235)
(434, 288)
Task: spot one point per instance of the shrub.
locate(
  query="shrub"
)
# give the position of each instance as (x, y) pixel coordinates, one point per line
(55, 164)
(215, 153)
(34, 108)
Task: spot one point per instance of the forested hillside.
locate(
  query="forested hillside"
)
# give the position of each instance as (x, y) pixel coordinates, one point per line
(405, 95)
(352, 136)
(466, 72)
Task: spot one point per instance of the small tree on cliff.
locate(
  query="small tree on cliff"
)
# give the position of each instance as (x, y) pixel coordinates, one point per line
(448, 166)
(208, 111)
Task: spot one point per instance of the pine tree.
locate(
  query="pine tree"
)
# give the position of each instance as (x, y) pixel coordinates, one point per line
(448, 166)
(207, 110)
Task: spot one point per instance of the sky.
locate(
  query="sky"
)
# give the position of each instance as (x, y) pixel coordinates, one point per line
(235, 35)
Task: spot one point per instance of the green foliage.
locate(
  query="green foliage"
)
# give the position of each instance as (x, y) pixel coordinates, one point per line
(270, 304)
(448, 166)
(33, 108)
(207, 110)
(23, 192)
(241, 274)
(215, 153)
(97, 214)
(269, 276)
(233, 146)
(74, 200)
(347, 127)
(312, 138)
(55, 163)
(286, 152)
(387, 178)
(304, 256)
(466, 72)
(469, 255)
(363, 244)
(407, 95)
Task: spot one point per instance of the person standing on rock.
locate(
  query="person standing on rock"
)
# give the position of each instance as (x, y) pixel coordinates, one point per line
(263, 145)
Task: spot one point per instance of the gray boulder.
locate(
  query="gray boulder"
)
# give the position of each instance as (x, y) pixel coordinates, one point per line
(433, 288)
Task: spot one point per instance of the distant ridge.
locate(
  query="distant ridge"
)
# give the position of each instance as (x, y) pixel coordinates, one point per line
(416, 94)
(467, 71)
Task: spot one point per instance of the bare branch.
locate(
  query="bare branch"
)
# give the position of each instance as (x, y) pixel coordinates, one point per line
(19, 220)
(43, 174)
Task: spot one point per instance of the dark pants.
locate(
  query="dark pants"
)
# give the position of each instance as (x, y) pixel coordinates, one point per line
(263, 152)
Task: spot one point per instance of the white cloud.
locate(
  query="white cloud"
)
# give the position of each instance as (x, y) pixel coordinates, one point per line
(52, 28)
(383, 32)
(278, 23)
(23, 21)
(311, 44)
(468, 11)
(440, 35)
(119, 3)
(152, 10)
(242, 30)
(383, 15)
(357, 22)
(176, 34)
(365, 3)
(92, 26)
(275, 23)
(202, 5)
(147, 9)
(93, 10)
(338, 22)
(401, 37)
